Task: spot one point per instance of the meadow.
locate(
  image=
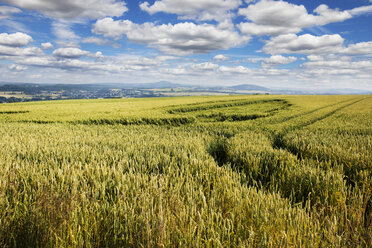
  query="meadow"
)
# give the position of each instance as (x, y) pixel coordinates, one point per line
(203, 171)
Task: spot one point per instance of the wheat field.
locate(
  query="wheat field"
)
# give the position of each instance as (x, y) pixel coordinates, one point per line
(216, 171)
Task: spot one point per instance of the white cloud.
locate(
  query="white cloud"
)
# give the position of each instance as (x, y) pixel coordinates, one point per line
(7, 11)
(277, 14)
(181, 38)
(314, 57)
(41, 60)
(62, 63)
(361, 10)
(63, 31)
(125, 68)
(46, 45)
(98, 55)
(71, 59)
(338, 63)
(270, 17)
(16, 67)
(36, 76)
(362, 48)
(272, 72)
(92, 9)
(115, 29)
(315, 45)
(179, 70)
(13, 26)
(304, 44)
(18, 51)
(96, 40)
(277, 60)
(207, 66)
(236, 69)
(65, 35)
(194, 9)
(336, 68)
(327, 15)
(63, 43)
(100, 41)
(220, 57)
(321, 72)
(264, 73)
(70, 52)
(15, 40)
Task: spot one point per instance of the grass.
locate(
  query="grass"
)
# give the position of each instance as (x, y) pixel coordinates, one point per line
(218, 171)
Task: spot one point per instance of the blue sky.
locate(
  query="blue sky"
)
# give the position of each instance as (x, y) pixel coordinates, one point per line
(293, 44)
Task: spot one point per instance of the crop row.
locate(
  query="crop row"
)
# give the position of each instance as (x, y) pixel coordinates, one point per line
(227, 104)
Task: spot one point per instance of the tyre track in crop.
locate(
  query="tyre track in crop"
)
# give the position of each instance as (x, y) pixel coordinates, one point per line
(308, 112)
(278, 142)
(13, 112)
(174, 121)
(330, 113)
(220, 104)
(218, 148)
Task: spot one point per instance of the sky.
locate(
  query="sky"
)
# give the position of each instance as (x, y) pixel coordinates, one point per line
(307, 44)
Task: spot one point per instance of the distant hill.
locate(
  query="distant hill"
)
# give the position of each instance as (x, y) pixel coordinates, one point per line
(250, 87)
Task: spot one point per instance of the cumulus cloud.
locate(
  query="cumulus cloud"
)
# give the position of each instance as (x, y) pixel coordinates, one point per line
(274, 16)
(18, 51)
(194, 9)
(70, 52)
(7, 11)
(92, 9)
(303, 44)
(327, 15)
(98, 55)
(313, 57)
(275, 60)
(268, 17)
(235, 69)
(181, 38)
(362, 48)
(115, 29)
(220, 57)
(336, 65)
(46, 45)
(207, 66)
(15, 40)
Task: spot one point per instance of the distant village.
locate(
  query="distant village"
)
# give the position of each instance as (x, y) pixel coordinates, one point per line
(12, 93)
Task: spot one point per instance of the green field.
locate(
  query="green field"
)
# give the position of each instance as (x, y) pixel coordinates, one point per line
(206, 171)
